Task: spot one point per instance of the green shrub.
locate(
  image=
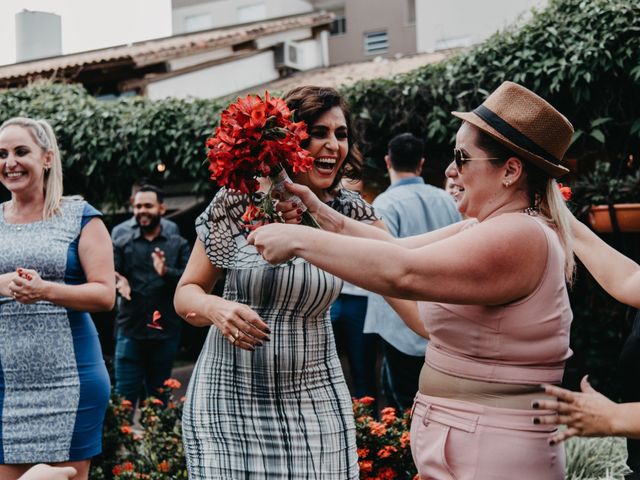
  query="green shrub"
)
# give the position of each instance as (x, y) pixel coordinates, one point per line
(107, 145)
(596, 458)
(582, 56)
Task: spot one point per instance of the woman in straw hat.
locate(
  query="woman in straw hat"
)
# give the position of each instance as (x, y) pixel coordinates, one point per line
(492, 290)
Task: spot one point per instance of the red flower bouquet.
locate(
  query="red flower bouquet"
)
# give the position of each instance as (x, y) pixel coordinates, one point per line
(257, 138)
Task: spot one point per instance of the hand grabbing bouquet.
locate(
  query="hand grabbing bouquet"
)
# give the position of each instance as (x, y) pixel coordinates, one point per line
(258, 137)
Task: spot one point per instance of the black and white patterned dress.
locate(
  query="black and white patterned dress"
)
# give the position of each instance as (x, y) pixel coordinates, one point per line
(284, 410)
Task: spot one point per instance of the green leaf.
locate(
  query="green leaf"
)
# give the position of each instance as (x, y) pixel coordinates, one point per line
(576, 135)
(598, 135)
(600, 121)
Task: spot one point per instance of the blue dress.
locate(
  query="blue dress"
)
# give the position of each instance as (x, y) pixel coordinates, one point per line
(54, 386)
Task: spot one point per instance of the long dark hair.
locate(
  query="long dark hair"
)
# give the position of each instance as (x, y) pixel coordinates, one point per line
(308, 104)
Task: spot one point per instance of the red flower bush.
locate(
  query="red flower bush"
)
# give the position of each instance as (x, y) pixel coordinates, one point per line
(153, 451)
(383, 446)
(565, 191)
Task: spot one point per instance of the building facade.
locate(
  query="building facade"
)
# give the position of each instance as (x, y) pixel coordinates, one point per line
(196, 15)
(206, 64)
(445, 24)
(365, 29)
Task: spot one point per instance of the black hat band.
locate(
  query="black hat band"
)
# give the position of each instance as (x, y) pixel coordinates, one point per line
(513, 135)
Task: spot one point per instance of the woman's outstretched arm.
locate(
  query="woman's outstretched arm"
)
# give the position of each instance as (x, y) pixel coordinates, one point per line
(588, 414)
(617, 274)
(333, 221)
(497, 261)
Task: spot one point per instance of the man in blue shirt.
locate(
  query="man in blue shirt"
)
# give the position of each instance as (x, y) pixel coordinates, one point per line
(408, 207)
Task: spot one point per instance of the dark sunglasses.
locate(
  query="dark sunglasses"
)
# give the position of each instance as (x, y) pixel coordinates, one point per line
(460, 159)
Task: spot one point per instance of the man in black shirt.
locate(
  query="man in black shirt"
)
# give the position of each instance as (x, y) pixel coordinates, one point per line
(149, 263)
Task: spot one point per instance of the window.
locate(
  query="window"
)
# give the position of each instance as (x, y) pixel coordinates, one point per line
(411, 12)
(252, 13)
(338, 26)
(376, 42)
(194, 23)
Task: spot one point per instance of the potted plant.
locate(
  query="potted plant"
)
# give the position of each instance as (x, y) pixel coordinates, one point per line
(609, 201)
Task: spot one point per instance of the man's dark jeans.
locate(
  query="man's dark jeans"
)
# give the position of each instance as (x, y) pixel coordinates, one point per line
(143, 366)
(347, 319)
(400, 376)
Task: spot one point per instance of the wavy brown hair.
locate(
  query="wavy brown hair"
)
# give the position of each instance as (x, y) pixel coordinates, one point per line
(308, 103)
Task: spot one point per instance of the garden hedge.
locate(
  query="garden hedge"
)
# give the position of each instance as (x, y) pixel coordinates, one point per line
(581, 55)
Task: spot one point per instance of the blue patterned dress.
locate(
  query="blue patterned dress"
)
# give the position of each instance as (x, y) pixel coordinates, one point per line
(54, 386)
(284, 410)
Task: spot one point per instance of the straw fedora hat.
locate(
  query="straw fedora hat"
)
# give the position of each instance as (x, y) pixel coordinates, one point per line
(525, 123)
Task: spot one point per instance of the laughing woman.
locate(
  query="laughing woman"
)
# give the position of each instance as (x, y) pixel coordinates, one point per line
(56, 264)
(493, 290)
(267, 398)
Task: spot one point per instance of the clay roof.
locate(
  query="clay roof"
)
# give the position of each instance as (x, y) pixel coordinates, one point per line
(148, 52)
(349, 73)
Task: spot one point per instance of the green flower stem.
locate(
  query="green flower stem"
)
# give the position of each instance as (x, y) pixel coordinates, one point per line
(278, 178)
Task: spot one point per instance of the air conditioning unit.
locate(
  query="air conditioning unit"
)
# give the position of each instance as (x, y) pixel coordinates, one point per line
(291, 55)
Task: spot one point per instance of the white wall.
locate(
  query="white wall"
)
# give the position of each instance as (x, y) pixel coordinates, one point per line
(310, 54)
(219, 80)
(222, 13)
(455, 23)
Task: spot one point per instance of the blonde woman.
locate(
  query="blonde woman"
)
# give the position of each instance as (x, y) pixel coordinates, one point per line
(56, 263)
(493, 290)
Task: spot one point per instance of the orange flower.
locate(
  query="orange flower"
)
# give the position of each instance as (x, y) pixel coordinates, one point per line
(404, 439)
(377, 428)
(126, 404)
(363, 419)
(387, 473)
(126, 429)
(388, 415)
(172, 383)
(367, 400)
(363, 452)
(117, 470)
(387, 451)
(366, 466)
(164, 466)
(128, 467)
(157, 401)
(565, 191)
